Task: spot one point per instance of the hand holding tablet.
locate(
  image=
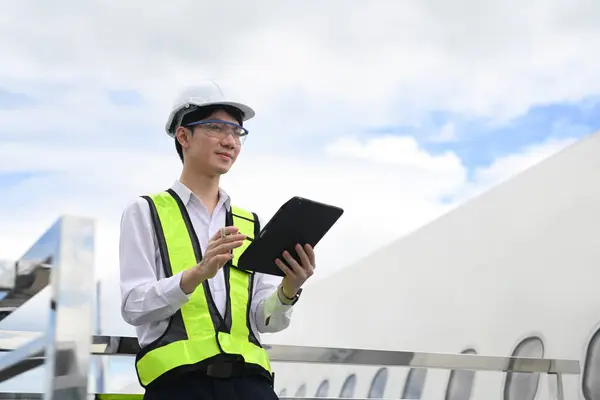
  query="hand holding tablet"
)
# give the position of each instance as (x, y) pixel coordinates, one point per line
(299, 221)
(296, 273)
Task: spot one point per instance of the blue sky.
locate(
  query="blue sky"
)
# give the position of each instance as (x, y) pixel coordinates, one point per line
(125, 98)
(11, 100)
(479, 144)
(8, 179)
(479, 140)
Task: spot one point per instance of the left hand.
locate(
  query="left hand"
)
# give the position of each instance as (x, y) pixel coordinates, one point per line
(296, 274)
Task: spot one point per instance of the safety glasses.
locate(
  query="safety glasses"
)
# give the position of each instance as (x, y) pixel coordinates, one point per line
(220, 129)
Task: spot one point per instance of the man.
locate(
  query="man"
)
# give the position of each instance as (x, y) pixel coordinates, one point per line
(197, 316)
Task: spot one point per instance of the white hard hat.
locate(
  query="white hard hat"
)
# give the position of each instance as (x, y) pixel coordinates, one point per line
(206, 94)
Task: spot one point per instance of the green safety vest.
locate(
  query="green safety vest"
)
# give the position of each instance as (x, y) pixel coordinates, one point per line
(197, 332)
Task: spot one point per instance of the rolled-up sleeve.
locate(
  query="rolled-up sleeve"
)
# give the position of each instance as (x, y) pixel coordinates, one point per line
(144, 297)
(270, 314)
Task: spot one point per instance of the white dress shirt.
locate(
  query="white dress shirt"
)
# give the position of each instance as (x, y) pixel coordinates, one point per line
(148, 298)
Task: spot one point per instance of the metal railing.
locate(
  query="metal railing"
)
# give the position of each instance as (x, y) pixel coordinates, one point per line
(64, 259)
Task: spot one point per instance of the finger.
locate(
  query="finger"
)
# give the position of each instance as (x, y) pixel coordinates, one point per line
(308, 267)
(306, 264)
(311, 254)
(284, 268)
(223, 258)
(224, 248)
(228, 230)
(226, 239)
(220, 260)
(293, 265)
(231, 238)
(214, 263)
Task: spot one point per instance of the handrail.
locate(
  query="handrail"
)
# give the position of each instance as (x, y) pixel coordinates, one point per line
(66, 251)
(366, 357)
(555, 368)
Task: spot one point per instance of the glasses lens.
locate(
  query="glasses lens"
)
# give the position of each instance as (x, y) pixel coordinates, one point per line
(220, 129)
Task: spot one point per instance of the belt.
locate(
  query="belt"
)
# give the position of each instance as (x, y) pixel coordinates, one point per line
(226, 369)
(236, 368)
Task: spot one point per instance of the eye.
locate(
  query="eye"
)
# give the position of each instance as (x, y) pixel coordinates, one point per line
(214, 127)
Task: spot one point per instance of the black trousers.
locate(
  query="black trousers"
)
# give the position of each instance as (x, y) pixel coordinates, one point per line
(194, 386)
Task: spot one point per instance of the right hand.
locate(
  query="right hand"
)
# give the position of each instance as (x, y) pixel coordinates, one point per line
(218, 251)
(216, 255)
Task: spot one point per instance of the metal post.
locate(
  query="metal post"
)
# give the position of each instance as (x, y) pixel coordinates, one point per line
(556, 386)
(71, 312)
(100, 361)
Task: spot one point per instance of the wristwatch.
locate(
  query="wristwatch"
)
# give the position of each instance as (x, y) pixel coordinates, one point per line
(287, 300)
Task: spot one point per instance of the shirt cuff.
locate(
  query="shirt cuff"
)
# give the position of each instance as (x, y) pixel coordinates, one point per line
(273, 305)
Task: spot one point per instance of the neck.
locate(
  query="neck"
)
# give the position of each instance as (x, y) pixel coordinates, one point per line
(204, 186)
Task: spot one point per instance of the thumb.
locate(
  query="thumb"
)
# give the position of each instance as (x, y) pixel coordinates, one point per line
(221, 259)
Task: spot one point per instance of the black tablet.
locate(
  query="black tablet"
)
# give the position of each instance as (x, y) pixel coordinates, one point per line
(299, 220)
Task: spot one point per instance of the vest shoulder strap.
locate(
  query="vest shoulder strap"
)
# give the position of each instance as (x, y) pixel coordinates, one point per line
(248, 224)
(246, 221)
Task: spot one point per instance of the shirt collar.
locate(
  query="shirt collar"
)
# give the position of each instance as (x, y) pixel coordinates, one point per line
(186, 194)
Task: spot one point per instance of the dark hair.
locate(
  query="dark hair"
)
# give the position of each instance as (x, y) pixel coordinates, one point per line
(205, 112)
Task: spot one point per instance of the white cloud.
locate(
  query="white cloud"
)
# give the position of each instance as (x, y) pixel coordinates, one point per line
(398, 151)
(381, 58)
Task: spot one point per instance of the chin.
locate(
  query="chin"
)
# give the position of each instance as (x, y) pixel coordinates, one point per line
(221, 170)
(220, 166)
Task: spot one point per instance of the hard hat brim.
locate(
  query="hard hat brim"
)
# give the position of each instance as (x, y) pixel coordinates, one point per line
(246, 110)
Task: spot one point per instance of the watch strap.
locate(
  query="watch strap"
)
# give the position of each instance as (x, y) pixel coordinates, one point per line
(287, 300)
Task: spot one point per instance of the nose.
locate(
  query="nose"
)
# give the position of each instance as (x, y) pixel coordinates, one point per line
(228, 140)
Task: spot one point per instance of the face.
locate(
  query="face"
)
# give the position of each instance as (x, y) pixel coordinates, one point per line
(207, 153)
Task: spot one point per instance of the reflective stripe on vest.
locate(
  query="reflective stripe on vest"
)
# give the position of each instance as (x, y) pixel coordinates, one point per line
(197, 332)
(119, 397)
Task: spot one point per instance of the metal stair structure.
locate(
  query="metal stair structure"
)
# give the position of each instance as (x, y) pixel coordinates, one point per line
(62, 260)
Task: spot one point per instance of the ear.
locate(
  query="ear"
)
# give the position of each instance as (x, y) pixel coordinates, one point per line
(182, 135)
